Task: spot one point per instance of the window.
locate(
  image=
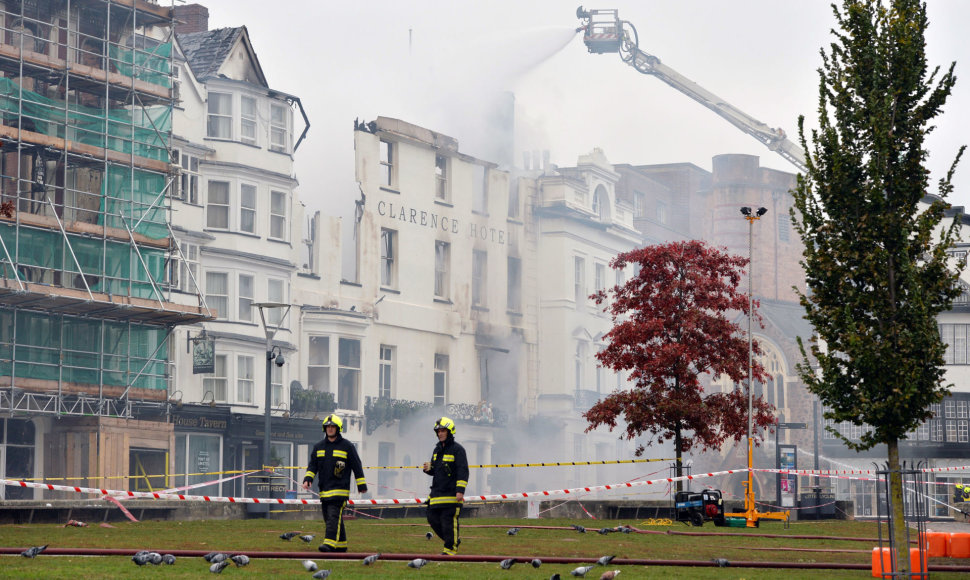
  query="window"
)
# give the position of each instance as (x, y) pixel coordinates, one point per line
(219, 108)
(183, 269)
(440, 379)
(388, 171)
(386, 374)
(245, 379)
(247, 208)
(276, 382)
(579, 280)
(955, 338)
(388, 255)
(479, 189)
(318, 364)
(277, 216)
(580, 365)
(217, 382)
(639, 203)
(187, 186)
(515, 284)
(784, 226)
(247, 120)
(441, 177)
(217, 293)
(348, 373)
(442, 263)
(479, 281)
(246, 286)
(661, 212)
(217, 205)
(620, 277)
(279, 128)
(276, 292)
(600, 277)
(514, 209)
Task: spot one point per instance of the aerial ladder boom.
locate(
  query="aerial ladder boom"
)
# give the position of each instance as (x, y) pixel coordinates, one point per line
(604, 32)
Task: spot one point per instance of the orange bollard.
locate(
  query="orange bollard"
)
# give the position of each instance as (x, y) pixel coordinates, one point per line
(959, 545)
(935, 544)
(914, 564)
(882, 563)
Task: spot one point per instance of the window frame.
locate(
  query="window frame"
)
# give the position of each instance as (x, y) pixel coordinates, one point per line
(245, 302)
(389, 251)
(441, 364)
(442, 166)
(479, 278)
(442, 269)
(224, 207)
(316, 367)
(217, 382)
(385, 381)
(245, 211)
(211, 298)
(388, 159)
(279, 200)
(283, 130)
(514, 281)
(248, 120)
(245, 379)
(224, 119)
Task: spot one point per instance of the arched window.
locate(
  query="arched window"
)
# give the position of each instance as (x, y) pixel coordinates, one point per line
(601, 204)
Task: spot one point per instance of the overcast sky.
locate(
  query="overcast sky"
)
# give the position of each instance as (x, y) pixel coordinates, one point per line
(438, 64)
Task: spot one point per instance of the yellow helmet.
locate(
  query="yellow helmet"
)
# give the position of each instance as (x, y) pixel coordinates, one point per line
(445, 423)
(333, 420)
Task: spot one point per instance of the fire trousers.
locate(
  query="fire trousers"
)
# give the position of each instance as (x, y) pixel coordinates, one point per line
(444, 522)
(333, 515)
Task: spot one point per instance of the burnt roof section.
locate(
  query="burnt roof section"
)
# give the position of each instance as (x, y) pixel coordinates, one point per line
(206, 51)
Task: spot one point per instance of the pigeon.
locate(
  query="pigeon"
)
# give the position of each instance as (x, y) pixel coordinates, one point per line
(512, 531)
(721, 562)
(208, 557)
(168, 559)
(417, 563)
(288, 535)
(321, 574)
(141, 558)
(307, 538)
(507, 563)
(604, 531)
(579, 528)
(429, 535)
(624, 529)
(609, 575)
(218, 567)
(240, 559)
(32, 552)
(216, 558)
(581, 571)
(536, 562)
(371, 559)
(605, 560)
(155, 558)
(310, 565)
(554, 576)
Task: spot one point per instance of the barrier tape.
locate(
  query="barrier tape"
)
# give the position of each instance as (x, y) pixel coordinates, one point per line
(361, 502)
(547, 464)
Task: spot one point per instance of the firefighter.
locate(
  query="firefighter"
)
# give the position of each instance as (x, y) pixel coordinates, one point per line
(332, 460)
(448, 469)
(962, 493)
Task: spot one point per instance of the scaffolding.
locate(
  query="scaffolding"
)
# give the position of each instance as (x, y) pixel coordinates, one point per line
(86, 106)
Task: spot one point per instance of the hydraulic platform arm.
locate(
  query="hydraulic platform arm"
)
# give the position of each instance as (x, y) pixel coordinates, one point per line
(604, 32)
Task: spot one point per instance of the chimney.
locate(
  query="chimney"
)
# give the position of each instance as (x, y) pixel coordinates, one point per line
(191, 18)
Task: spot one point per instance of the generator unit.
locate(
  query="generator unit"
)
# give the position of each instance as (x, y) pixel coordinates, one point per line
(698, 507)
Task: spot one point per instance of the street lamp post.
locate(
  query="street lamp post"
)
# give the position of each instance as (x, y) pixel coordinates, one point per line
(749, 502)
(271, 354)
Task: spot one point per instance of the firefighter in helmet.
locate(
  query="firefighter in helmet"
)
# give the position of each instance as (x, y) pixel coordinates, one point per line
(448, 469)
(332, 460)
(961, 493)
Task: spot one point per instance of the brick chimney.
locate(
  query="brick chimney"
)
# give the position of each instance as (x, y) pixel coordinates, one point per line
(191, 18)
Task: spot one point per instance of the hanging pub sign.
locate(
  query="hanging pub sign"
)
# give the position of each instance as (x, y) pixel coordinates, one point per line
(203, 354)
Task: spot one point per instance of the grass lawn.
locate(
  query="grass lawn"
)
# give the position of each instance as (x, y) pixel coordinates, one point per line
(772, 542)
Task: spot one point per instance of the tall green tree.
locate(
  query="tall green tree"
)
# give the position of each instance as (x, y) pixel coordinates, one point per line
(670, 328)
(875, 258)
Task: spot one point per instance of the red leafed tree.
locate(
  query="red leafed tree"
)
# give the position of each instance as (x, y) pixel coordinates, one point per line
(670, 328)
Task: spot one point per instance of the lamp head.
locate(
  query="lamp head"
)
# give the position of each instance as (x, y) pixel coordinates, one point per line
(746, 211)
(762, 211)
(280, 361)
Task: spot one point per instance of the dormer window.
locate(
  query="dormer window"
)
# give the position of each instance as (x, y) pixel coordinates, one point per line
(601, 204)
(279, 130)
(219, 122)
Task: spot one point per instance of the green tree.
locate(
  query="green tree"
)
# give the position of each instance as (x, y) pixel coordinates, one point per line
(670, 329)
(875, 259)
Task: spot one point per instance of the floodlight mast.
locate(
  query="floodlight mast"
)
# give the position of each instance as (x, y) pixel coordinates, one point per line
(604, 32)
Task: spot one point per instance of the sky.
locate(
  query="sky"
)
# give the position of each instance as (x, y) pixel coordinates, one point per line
(440, 64)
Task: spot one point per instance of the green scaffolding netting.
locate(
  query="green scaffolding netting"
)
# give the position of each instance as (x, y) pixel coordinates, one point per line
(108, 266)
(82, 351)
(133, 129)
(148, 64)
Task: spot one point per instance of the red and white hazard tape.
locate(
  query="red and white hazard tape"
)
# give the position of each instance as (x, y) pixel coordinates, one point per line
(357, 502)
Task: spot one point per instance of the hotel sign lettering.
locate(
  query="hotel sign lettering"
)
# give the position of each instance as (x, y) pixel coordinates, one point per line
(450, 225)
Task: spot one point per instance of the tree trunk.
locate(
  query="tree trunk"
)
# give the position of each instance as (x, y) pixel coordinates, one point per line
(677, 455)
(897, 515)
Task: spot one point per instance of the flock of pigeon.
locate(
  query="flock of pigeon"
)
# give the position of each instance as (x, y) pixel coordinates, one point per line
(218, 561)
